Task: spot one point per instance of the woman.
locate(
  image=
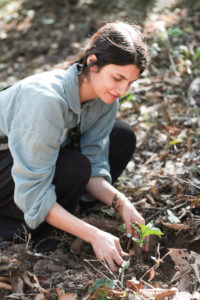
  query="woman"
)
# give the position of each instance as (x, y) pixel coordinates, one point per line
(63, 139)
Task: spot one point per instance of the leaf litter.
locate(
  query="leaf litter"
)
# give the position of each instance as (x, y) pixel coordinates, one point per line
(162, 180)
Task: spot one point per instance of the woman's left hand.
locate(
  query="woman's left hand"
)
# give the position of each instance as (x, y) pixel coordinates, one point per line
(130, 215)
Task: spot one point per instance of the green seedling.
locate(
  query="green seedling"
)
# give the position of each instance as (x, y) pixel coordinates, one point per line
(197, 54)
(124, 266)
(103, 286)
(175, 32)
(101, 282)
(145, 230)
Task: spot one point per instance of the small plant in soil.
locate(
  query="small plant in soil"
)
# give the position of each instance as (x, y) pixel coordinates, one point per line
(105, 288)
(101, 287)
(144, 231)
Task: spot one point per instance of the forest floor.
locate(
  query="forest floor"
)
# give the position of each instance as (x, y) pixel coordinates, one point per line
(163, 178)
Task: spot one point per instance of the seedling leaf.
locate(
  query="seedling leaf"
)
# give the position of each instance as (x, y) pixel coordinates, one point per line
(125, 264)
(176, 32)
(101, 282)
(145, 230)
(137, 229)
(197, 54)
(149, 229)
(121, 228)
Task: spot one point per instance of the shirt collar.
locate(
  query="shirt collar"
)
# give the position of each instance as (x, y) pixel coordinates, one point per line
(71, 87)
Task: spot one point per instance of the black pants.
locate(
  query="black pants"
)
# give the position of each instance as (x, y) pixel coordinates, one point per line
(72, 173)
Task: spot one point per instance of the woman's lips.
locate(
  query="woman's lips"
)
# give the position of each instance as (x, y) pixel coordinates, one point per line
(114, 96)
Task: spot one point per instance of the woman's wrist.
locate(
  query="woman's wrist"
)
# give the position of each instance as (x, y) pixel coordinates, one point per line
(92, 234)
(118, 201)
(115, 201)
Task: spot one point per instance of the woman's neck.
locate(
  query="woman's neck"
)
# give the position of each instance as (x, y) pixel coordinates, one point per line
(86, 92)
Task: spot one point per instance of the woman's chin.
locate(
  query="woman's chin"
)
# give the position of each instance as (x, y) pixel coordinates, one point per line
(109, 99)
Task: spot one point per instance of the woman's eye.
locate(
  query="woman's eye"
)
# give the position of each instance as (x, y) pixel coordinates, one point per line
(117, 79)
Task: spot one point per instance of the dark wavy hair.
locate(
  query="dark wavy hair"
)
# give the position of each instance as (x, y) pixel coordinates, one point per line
(116, 43)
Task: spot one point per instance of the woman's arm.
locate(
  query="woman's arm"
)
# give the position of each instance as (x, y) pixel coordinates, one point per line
(106, 246)
(62, 219)
(105, 192)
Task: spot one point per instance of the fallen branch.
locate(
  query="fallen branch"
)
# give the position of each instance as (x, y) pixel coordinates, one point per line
(5, 286)
(9, 263)
(108, 226)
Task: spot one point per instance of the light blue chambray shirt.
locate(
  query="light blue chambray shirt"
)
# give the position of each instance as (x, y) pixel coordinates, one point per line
(34, 114)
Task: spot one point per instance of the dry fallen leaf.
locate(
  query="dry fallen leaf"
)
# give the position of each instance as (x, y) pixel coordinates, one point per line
(196, 295)
(112, 293)
(182, 296)
(195, 257)
(134, 284)
(36, 284)
(27, 280)
(183, 270)
(177, 226)
(185, 262)
(152, 274)
(77, 245)
(17, 284)
(40, 297)
(158, 293)
(68, 296)
(179, 256)
(5, 286)
(184, 284)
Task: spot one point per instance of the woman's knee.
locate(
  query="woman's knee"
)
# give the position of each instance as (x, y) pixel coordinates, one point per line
(123, 137)
(82, 171)
(128, 134)
(72, 167)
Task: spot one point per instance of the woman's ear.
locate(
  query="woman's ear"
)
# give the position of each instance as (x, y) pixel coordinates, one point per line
(91, 59)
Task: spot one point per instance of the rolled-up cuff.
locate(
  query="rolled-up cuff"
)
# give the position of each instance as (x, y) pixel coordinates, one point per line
(37, 214)
(98, 172)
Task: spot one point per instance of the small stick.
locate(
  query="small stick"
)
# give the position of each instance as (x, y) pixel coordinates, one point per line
(5, 286)
(156, 264)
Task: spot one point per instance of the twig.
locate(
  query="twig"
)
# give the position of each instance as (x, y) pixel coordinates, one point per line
(158, 213)
(174, 177)
(96, 268)
(39, 255)
(5, 286)
(178, 206)
(150, 198)
(173, 64)
(149, 285)
(165, 114)
(146, 136)
(155, 208)
(105, 265)
(156, 264)
(187, 181)
(141, 296)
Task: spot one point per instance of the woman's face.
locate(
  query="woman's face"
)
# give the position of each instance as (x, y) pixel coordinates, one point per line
(112, 81)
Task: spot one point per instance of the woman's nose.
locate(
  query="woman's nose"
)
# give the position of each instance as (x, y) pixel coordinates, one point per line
(122, 89)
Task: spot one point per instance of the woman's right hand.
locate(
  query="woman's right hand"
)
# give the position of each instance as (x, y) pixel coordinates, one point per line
(107, 248)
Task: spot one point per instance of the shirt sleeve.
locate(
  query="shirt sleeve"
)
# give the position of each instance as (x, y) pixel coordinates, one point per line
(95, 142)
(34, 145)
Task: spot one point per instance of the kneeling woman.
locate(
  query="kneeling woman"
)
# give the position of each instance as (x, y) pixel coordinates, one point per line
(59, 137)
